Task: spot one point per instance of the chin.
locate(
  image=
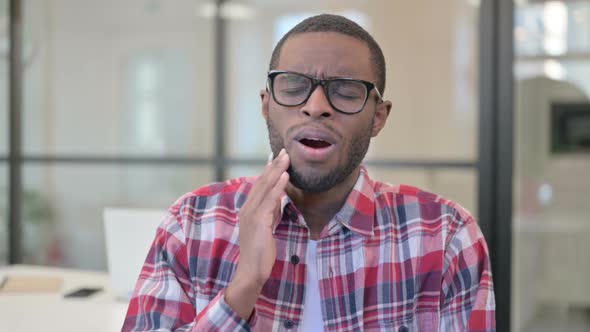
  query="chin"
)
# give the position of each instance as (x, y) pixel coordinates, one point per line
(313, 169)
(311, 180)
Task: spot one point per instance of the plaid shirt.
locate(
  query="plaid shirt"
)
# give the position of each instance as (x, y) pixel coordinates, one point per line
(393, 258)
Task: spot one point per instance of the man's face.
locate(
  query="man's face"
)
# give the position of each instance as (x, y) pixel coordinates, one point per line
(324, 146)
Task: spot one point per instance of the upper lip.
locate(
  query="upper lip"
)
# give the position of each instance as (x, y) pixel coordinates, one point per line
(315, 133)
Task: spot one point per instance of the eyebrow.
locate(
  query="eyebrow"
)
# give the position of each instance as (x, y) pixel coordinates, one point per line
(340, 74)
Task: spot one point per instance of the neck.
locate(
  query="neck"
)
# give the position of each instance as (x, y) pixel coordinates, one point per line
(319, 208)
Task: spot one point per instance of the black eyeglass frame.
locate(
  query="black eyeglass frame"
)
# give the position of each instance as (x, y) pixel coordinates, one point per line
(324, 83)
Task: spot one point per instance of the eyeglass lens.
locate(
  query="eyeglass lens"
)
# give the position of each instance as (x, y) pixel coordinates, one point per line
(291, 89)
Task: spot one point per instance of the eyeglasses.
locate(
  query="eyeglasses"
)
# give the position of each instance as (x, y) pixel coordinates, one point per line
(345, 95)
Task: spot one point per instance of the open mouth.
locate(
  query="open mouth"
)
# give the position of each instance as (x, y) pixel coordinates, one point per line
(314, 143)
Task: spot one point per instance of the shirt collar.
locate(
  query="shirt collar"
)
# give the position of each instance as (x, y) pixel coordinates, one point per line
(357, 213)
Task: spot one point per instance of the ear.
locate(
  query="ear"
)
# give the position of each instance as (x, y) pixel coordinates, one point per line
(381, 113)
(264, 98)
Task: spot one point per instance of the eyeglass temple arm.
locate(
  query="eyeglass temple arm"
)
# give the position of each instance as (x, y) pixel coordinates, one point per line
(379, 94)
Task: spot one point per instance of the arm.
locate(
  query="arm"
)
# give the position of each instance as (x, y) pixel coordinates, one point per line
(257, 245)
(467, 299)
(164, 299)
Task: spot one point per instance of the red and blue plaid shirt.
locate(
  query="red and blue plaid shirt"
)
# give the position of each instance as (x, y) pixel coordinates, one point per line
(393, 258)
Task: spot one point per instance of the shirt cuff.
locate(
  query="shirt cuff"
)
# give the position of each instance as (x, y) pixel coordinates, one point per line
(221, 316)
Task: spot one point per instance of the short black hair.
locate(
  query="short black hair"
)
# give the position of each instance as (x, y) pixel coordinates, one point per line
(342, 25)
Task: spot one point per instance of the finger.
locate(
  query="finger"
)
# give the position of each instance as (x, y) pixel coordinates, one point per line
(268, 179)
(272, 199)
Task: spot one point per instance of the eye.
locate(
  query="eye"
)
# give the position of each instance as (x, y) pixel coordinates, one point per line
(293, 91)
(346, 95)
(349, 94)
(347, 90)
(291, 85)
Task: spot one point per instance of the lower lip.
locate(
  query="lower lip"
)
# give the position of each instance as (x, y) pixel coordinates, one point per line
(312, 154)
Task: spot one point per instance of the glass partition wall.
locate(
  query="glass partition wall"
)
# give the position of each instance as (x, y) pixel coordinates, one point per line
(121, 105)
(551, 225)
(118, 106)
(4, 84)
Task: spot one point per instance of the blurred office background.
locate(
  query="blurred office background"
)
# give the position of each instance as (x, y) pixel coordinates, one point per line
(133, 103)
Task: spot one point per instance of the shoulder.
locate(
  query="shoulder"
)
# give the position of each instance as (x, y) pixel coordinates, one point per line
(218, 193)
(219, 201)
(413, 205)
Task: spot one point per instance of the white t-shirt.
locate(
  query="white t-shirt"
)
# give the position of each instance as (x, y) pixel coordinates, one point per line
(312, 319)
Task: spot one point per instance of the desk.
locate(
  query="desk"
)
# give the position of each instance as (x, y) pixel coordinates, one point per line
(52, 312)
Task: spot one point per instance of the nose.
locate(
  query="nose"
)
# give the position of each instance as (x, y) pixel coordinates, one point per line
(317, 105)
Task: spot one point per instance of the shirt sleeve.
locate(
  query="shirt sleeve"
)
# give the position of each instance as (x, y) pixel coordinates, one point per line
(467, 299)
(164, 297)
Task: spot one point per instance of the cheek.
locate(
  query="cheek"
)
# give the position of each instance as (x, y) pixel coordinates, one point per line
(278, 127)
(282, 119)
(277, 123)
(355, 138)
(357, 129)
